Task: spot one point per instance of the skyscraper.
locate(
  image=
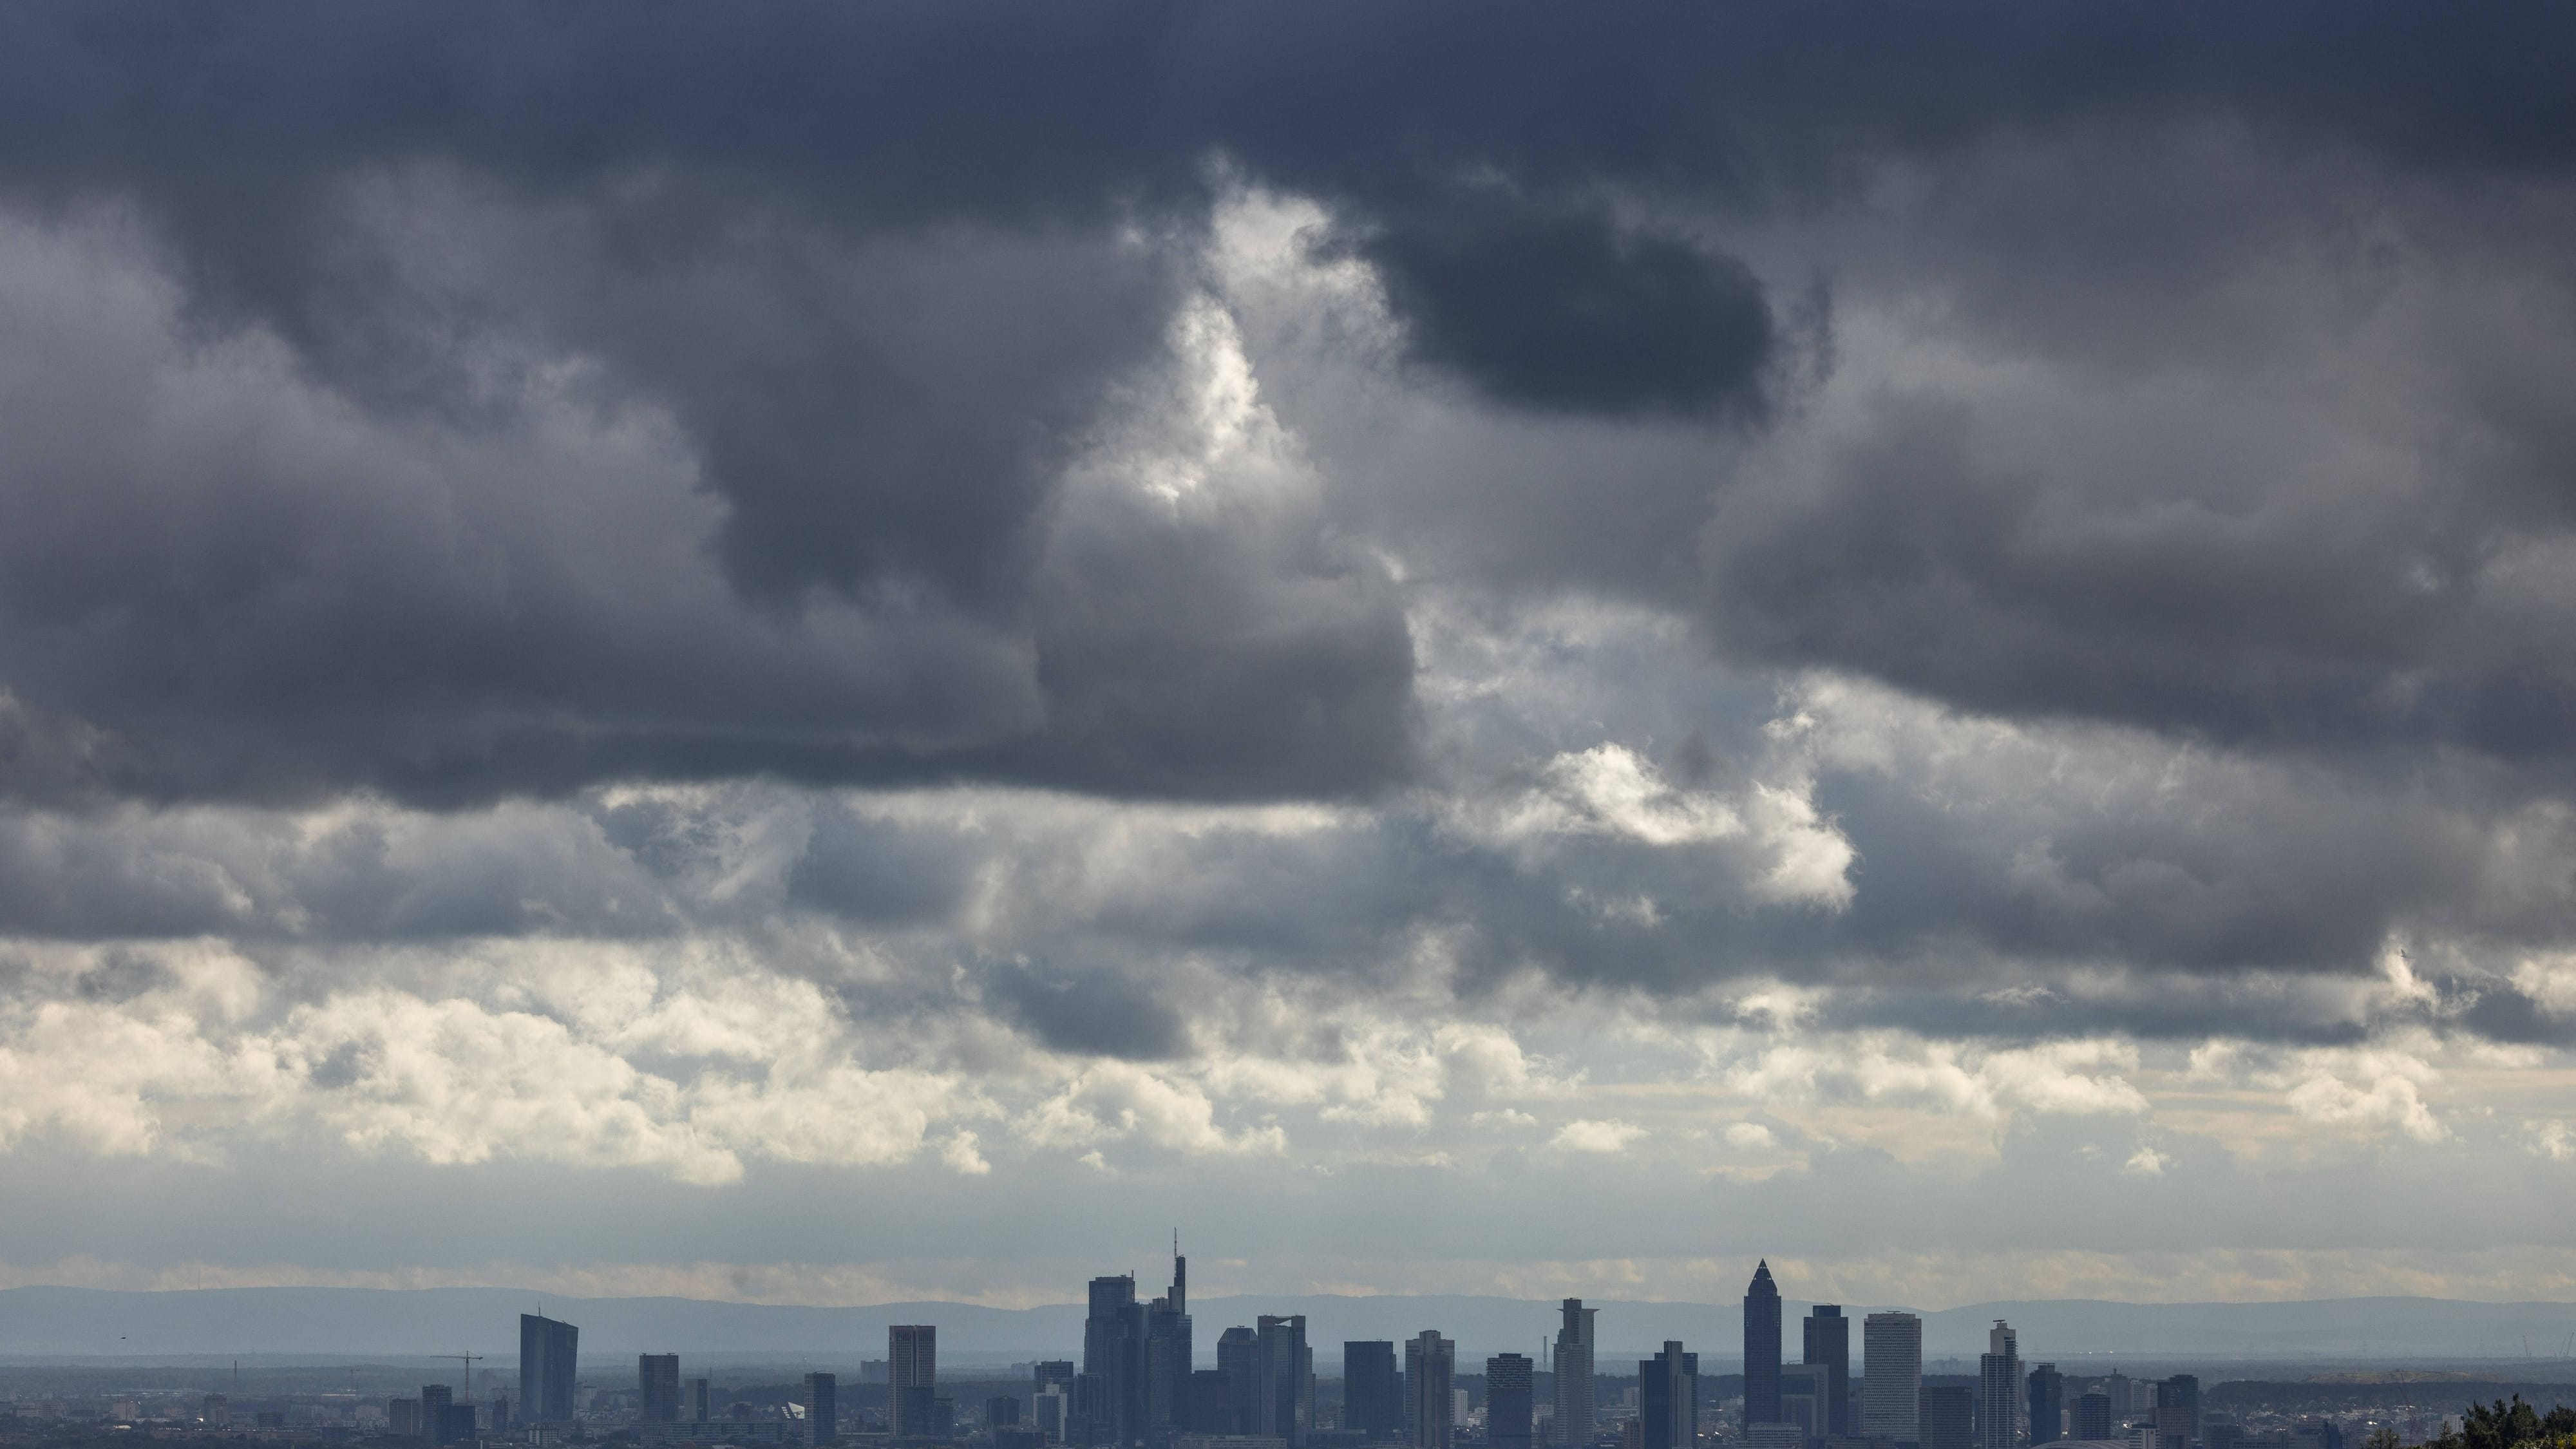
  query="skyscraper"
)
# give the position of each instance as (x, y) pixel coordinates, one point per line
(1573, 1370)
(1762, 1348)
(1828, 1347)
(1283, 1380)
(1802, 1399)
(1668, 1398)
(435, 1401)
(1999, 1390)
(1372, 1397)
(657, 1388)
(700, 1410)
(1166, 1353)
(1948, 1418)
(2047, 1404)
(2093, 1416)
(1110, 1394)
(2182, 1392)
(912, 1377)
(1430, 1374)
(1891, 1375)
(1238, 1357)
(1509, 1381)
(822, 1409)
(548, 1354)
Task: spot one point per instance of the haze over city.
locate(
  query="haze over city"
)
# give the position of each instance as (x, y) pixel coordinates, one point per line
(859, 658)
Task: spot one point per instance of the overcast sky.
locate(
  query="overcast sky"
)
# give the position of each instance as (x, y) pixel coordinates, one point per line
(840, 653)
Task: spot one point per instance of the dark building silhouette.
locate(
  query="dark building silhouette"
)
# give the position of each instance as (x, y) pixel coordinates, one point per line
(1509, 1381)
(402, 1416)
(1166, 1353)
(822, 1409)
(1430, 1377)
(657, 1388)
(1668, 1397)
(1283, 1385)
(1762, 1348)
(434, 1397)
(1238, 1357)
(1828, 1347)
(549, 1353)
(1947, 1417)
(1109, 1395)
(1001, 1411)
(1211, 1403)
(453, 1424)
(2182, 1392)
(2047, 1404)
(912, 1378)
(699, 1407)
(2093, 1415)
(1372, 1395)
(1573, 1366)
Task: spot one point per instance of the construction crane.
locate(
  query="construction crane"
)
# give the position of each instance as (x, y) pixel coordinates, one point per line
(467, 1361)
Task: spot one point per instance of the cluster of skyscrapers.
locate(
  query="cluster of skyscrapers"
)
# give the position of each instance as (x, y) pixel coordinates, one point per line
(1138, 1386)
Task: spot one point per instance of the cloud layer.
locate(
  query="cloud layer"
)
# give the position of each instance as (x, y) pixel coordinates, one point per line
(1289, 611)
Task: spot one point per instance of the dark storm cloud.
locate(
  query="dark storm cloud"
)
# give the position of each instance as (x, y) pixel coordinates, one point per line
(1569, 314)
(1091, 1013)
(884, 267)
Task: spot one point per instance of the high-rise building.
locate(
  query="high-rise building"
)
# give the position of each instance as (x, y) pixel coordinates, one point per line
(1210, 1406)
(1573, 1368)
(1283, 1380)
(1762, 1348)
(1510, 1379)
(822, 1409)
(1052, 1411)
(1828, 1347)
(1372, 1396)
(701, 1405)
(1002, 1411)
(1802, 1400)
(2047, 1404)
(2181, 1392)
(1668, 1398)
(1238, 1357)
(1948, 1418)
(1051, 1373)
(1430, 1376)
(549, 1354)
(912, 1378)
(1109, 1397)
(1166, 1353)
(2093, 1416)
(657, 1388)
(1891, 1378)
(1999, 1389)
(434, 1397)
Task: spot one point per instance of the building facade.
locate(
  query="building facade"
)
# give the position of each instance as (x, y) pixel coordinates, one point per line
(1510, 1380)
(1999, 1389)
(1372, 1394)
(549, 1357)
(657, 1388)
(1430, 1377)
(822, 1395)
(1762, 1348)
(1668, 1398)
(1573, 1368)
(912, 1378)
(1828, 1347)
(1891, 1383)
(2047, 1404)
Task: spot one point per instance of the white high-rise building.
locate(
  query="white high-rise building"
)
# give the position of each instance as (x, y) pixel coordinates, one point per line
(1891, 1383)
(1999, 1390)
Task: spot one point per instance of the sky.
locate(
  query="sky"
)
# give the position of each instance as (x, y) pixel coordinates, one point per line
(831, 654)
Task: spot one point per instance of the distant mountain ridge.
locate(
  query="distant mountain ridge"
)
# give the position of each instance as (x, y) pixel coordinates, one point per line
(89, 1322)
